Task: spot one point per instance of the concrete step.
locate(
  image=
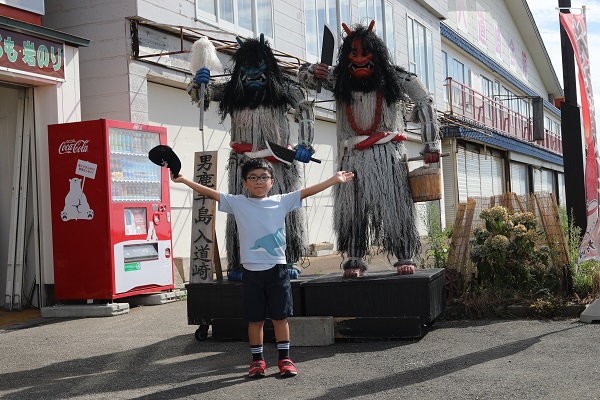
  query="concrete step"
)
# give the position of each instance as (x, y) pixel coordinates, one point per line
(311, 331)
(154, 299)
(304, 331)
(85, 310)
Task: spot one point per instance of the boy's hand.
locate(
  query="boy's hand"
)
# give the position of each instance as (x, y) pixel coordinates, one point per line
(179, 178)
(339, 177)
(344, 176)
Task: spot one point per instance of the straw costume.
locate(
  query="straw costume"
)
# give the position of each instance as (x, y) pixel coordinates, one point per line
(370, 94)
(257, 97)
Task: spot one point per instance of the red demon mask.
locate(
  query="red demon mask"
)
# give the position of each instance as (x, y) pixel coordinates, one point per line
(361, 60)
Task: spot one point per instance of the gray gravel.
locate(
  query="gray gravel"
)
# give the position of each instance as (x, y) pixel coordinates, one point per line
(151, 353)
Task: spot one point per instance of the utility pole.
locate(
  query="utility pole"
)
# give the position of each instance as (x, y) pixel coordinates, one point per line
(572, 140)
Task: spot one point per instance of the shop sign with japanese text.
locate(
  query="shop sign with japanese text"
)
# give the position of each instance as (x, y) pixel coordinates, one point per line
(32, 55)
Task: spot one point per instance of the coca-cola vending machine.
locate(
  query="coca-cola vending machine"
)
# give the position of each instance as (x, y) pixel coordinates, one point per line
(111, 217)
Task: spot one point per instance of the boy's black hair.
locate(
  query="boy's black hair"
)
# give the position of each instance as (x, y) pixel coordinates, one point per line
(256, 163)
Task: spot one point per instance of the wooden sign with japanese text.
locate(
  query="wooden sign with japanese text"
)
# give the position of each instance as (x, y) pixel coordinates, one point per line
(204, 252)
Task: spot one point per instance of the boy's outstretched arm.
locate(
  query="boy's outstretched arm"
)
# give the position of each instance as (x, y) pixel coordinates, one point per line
(339, 177)
(203, 190)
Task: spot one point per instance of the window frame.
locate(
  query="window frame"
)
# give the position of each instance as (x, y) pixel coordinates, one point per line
(383, 15)
(459, 72)
(323, 7)
(428, 78)
(234, 26)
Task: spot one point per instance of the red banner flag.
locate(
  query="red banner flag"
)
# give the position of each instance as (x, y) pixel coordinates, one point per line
(574, 25)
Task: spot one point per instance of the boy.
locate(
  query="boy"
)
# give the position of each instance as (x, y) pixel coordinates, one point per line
(260, 221)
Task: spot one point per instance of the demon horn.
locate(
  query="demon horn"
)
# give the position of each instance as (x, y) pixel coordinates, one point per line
(348, 31)
(371, 25)
(262, 40)
(240, 41)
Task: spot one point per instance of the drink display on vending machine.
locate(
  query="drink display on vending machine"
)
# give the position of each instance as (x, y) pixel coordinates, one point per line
(113, 205)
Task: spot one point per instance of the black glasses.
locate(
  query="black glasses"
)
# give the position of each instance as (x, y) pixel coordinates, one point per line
(255, 178)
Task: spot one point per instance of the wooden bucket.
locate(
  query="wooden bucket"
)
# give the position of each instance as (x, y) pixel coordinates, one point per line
(425, 184)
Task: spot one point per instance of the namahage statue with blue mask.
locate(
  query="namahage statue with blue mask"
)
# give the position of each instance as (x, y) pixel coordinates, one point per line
(257, 97)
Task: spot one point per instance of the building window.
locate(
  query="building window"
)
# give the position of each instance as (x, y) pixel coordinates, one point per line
(562, 199)
(420, 52)
(543, 180)
(317, 13)
(382, 12)
(552, 126)
(461, 80)
(489, 89)
(480, 172)
(388, 17)
(519, 178)
(248, 18)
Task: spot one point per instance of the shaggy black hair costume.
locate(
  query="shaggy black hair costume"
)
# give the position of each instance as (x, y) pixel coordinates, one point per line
(385, 79)
(252, 53)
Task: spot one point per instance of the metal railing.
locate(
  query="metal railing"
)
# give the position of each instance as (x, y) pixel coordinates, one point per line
(465, 101)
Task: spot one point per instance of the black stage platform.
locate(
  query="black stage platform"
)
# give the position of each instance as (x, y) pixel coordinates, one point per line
(381, 305)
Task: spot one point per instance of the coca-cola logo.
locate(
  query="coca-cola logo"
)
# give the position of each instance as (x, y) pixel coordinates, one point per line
(73, 146)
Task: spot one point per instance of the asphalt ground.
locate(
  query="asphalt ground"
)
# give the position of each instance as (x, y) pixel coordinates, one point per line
(151, 353)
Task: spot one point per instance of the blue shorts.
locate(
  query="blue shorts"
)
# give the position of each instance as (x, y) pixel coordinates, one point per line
(267, 294)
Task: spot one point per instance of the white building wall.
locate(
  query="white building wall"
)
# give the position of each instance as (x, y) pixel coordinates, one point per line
(495, 11)
(168, 107)
(288, 18)
(104, 73)
(405, 8)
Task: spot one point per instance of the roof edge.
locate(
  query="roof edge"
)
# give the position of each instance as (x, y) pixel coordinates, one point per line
(24, 27)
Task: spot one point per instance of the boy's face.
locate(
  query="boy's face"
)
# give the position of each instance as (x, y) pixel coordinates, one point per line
(258, 182)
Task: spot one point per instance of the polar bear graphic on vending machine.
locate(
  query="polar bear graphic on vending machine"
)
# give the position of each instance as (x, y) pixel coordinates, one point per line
(76, 204)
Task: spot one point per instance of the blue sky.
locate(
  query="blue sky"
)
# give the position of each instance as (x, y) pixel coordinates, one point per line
(545, 14)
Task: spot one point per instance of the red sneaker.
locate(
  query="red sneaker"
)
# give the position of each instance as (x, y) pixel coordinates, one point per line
(257, 369)
(287, 368)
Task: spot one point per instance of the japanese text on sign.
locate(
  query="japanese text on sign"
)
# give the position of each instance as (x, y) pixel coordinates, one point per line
(31, 54)
(202, 257)
(86, 168)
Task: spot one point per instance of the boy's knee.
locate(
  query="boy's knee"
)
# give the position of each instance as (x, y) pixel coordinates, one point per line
(279, 321)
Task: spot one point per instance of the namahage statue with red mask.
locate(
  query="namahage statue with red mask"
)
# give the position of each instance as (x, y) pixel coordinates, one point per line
(371, 93)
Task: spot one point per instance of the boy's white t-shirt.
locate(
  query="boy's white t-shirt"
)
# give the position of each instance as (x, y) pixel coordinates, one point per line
(261, 226)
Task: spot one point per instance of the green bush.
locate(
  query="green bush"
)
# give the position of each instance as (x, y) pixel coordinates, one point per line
(436, 252)
(506, 255)
(583, 279)
(549, 307)
(584, 272)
